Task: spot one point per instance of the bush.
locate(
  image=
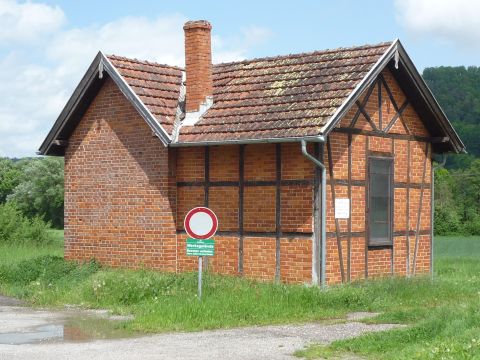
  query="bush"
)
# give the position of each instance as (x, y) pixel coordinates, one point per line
(472, 227)
(447, 221)
(46, 269)
(16, 228)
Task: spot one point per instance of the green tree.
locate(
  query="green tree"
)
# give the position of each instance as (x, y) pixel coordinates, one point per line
(447, 213)
(457, 89)
(10, 176)
(40, 191)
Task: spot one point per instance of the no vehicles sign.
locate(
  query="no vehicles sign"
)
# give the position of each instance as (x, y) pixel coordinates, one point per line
(201, 224)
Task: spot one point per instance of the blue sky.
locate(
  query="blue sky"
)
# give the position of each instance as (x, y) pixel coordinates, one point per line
(45, 46)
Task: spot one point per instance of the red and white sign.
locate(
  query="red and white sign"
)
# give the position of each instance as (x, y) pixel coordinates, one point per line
(201, 223)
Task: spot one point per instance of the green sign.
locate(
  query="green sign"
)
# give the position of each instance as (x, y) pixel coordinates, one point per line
(197, 247)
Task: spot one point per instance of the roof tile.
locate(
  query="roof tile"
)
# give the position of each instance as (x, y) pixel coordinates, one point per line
(284, 96)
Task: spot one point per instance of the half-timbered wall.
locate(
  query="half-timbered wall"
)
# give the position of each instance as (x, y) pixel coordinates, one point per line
(382, 123)
(263, 197)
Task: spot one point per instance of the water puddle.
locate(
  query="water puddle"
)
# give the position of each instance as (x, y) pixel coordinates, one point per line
(39, 334)
(72, 328)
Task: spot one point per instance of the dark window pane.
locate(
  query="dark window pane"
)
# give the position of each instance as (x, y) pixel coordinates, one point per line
(380, 187)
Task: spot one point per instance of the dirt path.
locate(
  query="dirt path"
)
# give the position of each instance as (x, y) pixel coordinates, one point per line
(22, 326)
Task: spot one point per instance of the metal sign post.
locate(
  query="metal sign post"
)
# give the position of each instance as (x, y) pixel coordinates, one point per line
(201, 224)
(200, 266)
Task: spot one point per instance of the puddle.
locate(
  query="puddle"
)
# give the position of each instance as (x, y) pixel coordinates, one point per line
(41, 333)
(79, 328)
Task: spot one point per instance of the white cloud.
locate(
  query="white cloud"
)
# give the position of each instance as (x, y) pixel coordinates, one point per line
(455, 21)
(28, 21)
(32, 93)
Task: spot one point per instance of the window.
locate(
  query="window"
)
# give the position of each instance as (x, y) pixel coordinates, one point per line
(380, 201)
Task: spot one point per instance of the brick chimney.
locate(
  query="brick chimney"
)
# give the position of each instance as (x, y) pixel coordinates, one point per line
(198, 63)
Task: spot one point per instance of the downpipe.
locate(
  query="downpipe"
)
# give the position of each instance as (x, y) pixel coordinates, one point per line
(323, 236)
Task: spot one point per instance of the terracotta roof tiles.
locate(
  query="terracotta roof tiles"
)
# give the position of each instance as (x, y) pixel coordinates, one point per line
(284, 96)
(157, 86)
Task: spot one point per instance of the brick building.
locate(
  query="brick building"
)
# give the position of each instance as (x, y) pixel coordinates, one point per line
(270, 145)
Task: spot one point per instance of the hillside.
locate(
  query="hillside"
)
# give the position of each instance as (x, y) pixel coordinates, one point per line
(457, 89)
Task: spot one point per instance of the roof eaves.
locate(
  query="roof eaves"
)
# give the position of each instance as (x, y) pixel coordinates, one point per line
(316, 138)
(71, 105)
(431, 101)
(101, 63)
(136, 101)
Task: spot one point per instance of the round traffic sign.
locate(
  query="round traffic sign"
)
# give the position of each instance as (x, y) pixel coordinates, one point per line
(201, 223)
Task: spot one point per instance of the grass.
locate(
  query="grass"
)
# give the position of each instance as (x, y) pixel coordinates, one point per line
(11, 254)
(443, 316)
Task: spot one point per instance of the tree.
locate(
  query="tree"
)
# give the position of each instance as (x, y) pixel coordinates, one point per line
(40, 191)
(10, 176)
(457, 89)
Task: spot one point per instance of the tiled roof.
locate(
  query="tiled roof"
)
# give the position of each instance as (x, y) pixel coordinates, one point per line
(157, 86)
(284, 96)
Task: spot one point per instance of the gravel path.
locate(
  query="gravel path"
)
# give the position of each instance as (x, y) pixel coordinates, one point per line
(266, 342)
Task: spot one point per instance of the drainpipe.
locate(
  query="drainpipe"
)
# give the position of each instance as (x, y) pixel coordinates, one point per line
(323, 237)
(432, 209)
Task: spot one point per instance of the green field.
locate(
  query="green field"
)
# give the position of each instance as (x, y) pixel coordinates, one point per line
(443, 316)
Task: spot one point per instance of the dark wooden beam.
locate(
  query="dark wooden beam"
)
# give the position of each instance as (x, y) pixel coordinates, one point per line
(408, 210)
(365, 114)
(278, 210)
(396, 117)
(247, 183)
(379, 85)
(428, 139)
(392, 209)
(266, 234)
(241, 181)
(363, 103)
(206, 185)
(417, 236)
(337, 224)
(349, 244)
(367, 206)
(392, 99)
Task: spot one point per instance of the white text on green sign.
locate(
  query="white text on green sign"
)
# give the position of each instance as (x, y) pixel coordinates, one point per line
(197, 247)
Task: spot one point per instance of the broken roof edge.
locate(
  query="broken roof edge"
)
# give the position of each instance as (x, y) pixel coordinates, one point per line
(99, 64)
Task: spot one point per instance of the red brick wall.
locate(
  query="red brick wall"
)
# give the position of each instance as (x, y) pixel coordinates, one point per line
(119, 197)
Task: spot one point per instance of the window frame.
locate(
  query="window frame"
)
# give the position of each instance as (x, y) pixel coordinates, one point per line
(389, 242)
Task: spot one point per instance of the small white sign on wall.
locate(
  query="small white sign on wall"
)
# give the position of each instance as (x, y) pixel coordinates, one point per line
(342, 208)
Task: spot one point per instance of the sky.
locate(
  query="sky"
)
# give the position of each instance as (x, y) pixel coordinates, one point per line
(46, 46)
